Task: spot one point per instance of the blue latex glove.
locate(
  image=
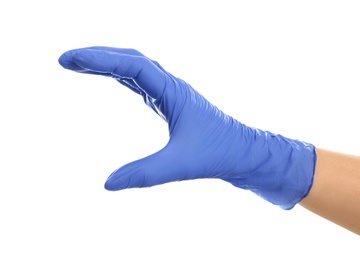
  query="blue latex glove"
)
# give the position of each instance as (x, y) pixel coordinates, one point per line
(204, 142)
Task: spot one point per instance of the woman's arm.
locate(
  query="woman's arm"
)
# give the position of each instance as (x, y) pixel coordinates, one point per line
(335, 194)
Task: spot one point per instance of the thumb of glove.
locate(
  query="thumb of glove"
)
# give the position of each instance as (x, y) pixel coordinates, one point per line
(158, 168)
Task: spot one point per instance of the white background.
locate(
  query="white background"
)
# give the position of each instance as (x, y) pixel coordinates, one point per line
(291, 67)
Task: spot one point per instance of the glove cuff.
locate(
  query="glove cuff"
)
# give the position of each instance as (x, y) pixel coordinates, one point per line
(282, 170)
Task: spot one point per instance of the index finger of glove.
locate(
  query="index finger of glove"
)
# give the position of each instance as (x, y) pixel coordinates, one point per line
(66, 59)
(147, 75)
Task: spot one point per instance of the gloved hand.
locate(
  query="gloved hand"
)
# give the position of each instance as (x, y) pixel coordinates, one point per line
(204, 142)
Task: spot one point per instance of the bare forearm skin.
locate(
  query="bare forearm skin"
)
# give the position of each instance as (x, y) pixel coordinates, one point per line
(335, 194)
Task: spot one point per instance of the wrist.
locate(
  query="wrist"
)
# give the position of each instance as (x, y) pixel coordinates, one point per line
(278, 169)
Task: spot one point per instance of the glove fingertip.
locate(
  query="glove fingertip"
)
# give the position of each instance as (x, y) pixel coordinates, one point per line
(114, 183)
(109, 185)
(68, 61)
(65, 61)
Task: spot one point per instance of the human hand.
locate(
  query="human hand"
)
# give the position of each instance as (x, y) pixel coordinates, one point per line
(204, 142)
